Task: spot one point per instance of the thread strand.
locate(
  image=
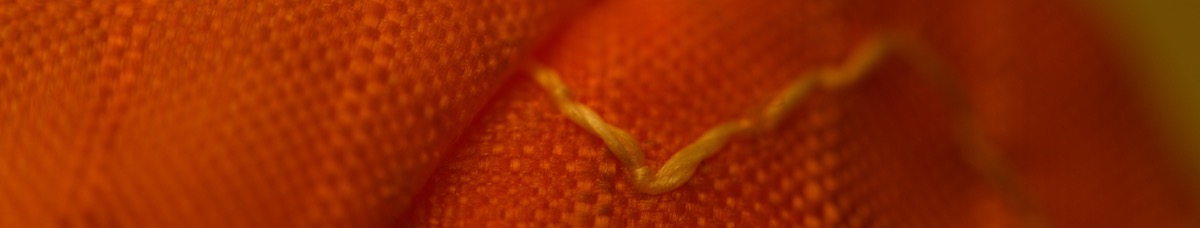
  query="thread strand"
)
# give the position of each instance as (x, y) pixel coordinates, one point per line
(681, 166)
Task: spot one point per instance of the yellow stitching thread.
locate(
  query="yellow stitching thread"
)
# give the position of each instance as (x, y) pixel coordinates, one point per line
(680, 167)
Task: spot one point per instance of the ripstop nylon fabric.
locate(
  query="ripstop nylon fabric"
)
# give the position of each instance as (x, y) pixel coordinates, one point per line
(242, 113)
(383, 112)
(879, 155)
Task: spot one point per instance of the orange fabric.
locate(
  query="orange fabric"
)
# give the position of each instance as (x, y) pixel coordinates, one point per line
(381, 113)
(880, 155)
(242, 113)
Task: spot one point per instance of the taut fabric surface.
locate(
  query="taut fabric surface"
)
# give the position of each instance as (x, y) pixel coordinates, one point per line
(242, 113)
(344, 113)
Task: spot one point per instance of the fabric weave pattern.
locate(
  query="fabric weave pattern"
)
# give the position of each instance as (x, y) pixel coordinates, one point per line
(375, 113)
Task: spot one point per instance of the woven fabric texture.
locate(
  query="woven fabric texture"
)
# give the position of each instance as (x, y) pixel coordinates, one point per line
(880, 155)
(242, 113)
(378, 113)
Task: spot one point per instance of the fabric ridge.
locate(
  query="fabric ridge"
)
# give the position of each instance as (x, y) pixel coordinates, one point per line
(421, 113)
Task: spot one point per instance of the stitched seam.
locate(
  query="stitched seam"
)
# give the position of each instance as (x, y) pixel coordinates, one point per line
(681, 166)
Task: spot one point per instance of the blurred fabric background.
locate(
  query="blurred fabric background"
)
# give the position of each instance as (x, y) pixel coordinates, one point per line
(378, 113)
(1164, 39)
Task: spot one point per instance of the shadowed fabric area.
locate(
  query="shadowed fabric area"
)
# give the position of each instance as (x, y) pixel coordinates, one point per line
(381, 113)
